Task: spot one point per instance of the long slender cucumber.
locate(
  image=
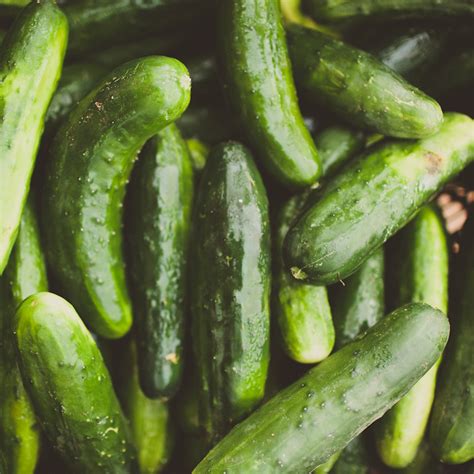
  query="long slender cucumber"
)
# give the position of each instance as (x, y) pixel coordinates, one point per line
(31, 58)
(258, 78)
(306, 423)
(375, 196)
(89, 165)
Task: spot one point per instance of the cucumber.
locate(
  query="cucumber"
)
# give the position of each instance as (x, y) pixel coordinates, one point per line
(25, 274)
(31, 58)
(423, 277)
(354, 459)
(231, 288)
(257, 75)
(336, 145)
(373, 198)
(199, 152)
(358, 88)
(342, 10)
(451, 433)
(158, 230)
(305, 424)
(302, 310)
(70, 387)
(359, 303)
(328, 465)
(89, 165)
(424, 463)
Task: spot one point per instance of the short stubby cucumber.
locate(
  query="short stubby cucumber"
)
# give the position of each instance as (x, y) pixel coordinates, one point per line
(25, 275)
(158, 228)
(258, 79)
(31, 58)
(374, 197)
(422, 276)
(230, 292)
(87, 171)
(306, 423)
(358, 88)
(302, 310)
(452, 421)
(70, 387)
(359, 303)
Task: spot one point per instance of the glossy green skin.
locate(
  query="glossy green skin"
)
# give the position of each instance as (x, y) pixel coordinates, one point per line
(342, 10)
(158, 230)
(31, 58)
(231, 288)
(306, 423)
(451, 433)
(70, 387)
(24, 275)
(374, 197)
(302, 310)
(359, 303)
(354, 459)
(258, 79)
(337, 145)
(89, 165)
(358, 88)
(423, 277)
(102, 23)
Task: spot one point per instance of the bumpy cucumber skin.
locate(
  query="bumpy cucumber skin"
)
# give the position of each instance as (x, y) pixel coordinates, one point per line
(451, 433)
(423, 277)
(359, 303)
(90, 162)
(231, 288)
(306, 423)
(158, 229)
(31, 59)
(343, 10)
(358, 88)
(70, 387)
(25, 274)
(258, 78)
(373, 198)
(302, 310)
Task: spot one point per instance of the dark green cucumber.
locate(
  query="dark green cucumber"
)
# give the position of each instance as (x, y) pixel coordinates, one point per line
(101, 23)
(359, 303)
(158, 231)
(89, 165)
(423, 277)
(258, 78)
(25, 274)
(452, 421)
(231, 288)
(302, 310)
(31, 58)
(70, 387)
(342, 10)
(354, 459)
(306, 423)
(358, 88)
(336, 145)
(374, 197)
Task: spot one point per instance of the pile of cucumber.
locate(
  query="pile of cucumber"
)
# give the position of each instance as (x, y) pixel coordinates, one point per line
(221, 244)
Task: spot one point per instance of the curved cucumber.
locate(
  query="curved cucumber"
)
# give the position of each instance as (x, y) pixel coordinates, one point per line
(373, 198)
(358, 88)
(231, 288)
(423, 277)
(258, 78)
(306, 423)
(70, 387)
(451, 433)
(91, 159)
(158, 230)
(25, 274)
(359, 303)
(31, 58)
(342, 10)
(302, 310)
